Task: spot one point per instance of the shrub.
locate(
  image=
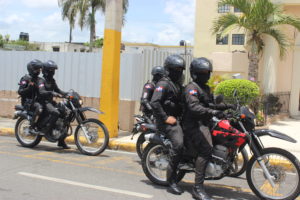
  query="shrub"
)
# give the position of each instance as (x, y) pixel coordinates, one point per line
(247, 90)
(216, 79)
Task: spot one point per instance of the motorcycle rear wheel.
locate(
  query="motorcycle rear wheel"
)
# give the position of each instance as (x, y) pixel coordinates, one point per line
(284, 168)
(155, 161)
(240, 163)
(23, 136)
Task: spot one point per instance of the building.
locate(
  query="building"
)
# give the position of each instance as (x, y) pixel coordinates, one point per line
(64, 47)
(230, 56)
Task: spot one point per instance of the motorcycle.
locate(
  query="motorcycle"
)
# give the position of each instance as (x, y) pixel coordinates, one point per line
(144, 126)
(272, 173)
(91, 135)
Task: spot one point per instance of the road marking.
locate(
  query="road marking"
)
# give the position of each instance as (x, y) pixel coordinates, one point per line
(96, 187)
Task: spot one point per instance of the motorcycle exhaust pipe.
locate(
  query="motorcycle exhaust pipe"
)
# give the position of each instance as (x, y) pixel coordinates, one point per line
(154, 138)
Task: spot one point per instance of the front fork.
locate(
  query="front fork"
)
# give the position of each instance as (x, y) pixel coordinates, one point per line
(80, 118)
(256, 147)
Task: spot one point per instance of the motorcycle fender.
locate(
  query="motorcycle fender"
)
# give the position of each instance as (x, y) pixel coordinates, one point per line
(153, 138)
(22, 114)
(275, 134)
(90, 109)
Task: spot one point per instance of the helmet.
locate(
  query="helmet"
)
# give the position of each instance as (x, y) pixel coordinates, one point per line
(158, 70)
(174, 62)
(34, 67)
(200, 69)
(174, 66)
(49, 68)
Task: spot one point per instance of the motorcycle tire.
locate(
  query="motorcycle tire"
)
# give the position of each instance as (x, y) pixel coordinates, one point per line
(245, 160)
(104, 138)
(34, 139)
(139, 145)
(150, 148)
(279, 171)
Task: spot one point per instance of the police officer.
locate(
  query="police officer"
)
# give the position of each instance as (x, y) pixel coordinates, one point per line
(28, 91)
(166, 105)
(47, 90)
(157, 72)
(199, 109)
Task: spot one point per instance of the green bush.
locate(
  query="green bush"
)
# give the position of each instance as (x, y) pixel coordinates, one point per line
(215, 80)
(247, 90)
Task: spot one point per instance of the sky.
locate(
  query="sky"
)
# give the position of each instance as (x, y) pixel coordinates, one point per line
(163, 22)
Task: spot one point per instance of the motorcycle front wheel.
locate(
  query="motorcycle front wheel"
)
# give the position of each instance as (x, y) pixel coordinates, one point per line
(23, 136)
(284, 169)
(91, 137)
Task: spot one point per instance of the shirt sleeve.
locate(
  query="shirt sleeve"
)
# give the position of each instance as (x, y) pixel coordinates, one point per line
(157, 100)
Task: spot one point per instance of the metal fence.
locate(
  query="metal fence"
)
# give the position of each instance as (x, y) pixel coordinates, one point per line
(82, 71)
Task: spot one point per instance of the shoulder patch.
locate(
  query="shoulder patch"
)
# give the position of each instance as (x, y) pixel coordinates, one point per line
(41, 85)
(148, 86)
(23, 82)
(193, 92)
(159, 89)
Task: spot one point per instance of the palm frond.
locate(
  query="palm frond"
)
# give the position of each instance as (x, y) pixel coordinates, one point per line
(281, 39)
(226, 23)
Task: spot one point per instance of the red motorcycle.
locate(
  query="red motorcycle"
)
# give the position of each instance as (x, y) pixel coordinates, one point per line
(272, 173)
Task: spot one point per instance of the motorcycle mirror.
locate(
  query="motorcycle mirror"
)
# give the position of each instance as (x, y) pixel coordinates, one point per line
(219, 99)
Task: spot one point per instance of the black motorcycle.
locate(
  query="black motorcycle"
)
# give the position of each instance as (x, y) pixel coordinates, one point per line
(91, 136)
(272, 173)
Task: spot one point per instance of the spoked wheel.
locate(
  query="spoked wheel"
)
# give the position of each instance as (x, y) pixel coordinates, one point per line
(140, 145)
(155, 161)
(91, 137)
(284, 169)
(239, 164)
(23, 136)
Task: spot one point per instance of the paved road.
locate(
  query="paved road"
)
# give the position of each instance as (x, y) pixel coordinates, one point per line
(49, 173)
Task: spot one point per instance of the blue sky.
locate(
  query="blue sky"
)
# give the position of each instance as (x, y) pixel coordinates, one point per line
(164, 22)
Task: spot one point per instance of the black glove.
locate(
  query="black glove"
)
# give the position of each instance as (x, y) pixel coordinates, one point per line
(217, 113)
(231, 106)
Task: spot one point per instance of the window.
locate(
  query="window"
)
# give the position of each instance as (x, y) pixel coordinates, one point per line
(236, 10)
(55, 49)
(224, 9)
(238, 39)
(222, 41)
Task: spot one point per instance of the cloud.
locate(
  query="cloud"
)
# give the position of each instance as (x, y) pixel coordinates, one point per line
(12, 19)
(182, 15)
(40, 3)
(4, 2)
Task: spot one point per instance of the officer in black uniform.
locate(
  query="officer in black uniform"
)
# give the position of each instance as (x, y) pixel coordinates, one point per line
(47, 90)
(199, 109)
(166, 105)
(157, 72)
(28, 91)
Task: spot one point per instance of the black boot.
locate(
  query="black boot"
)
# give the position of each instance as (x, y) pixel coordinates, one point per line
(199, 193)
(171, 178)
(63, 144)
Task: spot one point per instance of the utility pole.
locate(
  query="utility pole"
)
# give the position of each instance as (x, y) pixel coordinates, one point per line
(109, 99)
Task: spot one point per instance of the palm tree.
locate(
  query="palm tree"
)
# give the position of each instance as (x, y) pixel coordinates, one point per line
(87, 11)
(69, 12)
(258, 18)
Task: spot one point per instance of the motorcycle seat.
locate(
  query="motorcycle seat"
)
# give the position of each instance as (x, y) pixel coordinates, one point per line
(19, 107)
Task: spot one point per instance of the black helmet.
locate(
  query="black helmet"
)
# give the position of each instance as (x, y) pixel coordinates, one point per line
(200, 69)
(34, 67)
(158, 70)
(49, 68)
(174, 62)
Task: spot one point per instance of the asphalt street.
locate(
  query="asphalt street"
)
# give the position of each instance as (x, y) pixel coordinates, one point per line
(50, 173)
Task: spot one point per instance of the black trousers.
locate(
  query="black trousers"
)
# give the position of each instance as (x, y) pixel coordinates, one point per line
(37, 109)
(175, 134)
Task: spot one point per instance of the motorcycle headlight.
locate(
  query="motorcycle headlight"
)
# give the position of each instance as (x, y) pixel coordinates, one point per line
(80, 102)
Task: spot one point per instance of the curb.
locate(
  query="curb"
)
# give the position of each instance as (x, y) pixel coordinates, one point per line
(114, 143)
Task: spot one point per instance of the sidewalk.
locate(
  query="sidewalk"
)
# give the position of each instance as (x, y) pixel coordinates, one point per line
(290, 127)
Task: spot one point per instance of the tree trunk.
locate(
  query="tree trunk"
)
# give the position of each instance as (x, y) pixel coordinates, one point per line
(253, 66)
(70, 34)
(92, 30)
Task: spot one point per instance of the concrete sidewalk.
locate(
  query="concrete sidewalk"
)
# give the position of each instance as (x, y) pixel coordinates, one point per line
(290, 127)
